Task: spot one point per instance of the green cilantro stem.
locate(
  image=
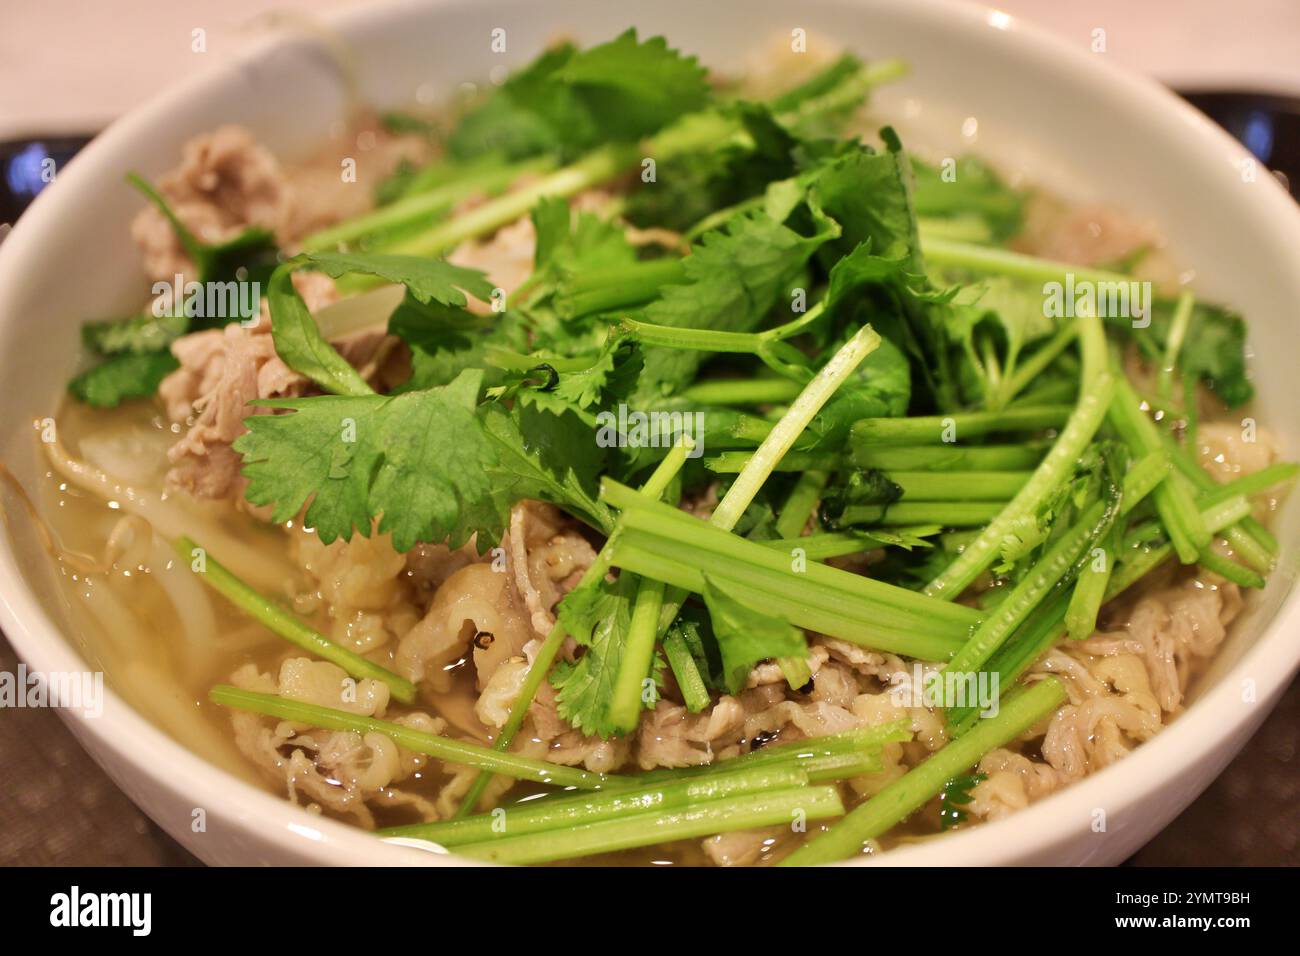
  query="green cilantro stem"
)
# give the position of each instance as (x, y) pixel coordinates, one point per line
(734, 462)
(591, 170)
(817, 597)
(434, 745)
(1255, 543)
(992, 260)
(791, 426)
(1255, 483)
(644, 513)
(1086, 598)
(1178, 326)
(1211, 560)
(800, 503)
(655, 486)
(558, 813)
(1142, 478)
(957, 427)
(743, 391)
(805, 755)
(286, 625)
(694, 694)
(796, 671)
(618, 287)
(645, 829)
(964, 228)
(1054, 566)
(778, 439)
(1018, 712)
(626, 698)
(1097, 389)
(1173, 500)
(1047, 623)
(943, 457)
(428, 205)
(950, 514)
(959, 486)
(1028, 370)
(663, 558)
(833, 544)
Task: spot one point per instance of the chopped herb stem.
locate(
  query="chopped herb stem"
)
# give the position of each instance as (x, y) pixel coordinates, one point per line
(286, 625)
(1041, 580)
(957, 427)
(1098, 387)
(749, 391)
(644, 829)
(434, 745)
(1017, 713)
(955, 458)
(800, 503)
(535, 816)
(694, 694)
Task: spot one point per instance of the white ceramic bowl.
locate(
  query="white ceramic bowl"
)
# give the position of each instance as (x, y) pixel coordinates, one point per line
(1065, 116)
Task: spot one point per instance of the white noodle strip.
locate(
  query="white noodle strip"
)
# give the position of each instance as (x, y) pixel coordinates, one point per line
(171, 520)
(193, 608)
(359, 312)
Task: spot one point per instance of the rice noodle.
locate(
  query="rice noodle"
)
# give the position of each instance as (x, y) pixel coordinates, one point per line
(193, 608)
(171, 519)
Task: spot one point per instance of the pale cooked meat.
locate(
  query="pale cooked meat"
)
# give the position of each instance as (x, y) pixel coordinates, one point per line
(340, 772)
(225, 183)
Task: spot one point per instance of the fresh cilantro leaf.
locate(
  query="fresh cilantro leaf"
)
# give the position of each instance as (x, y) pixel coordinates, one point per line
(956, 797)
(419, 462)
(135, 334)
(634, 88)
(597, 616)
(866, 192)
(569, 100)
(611, 375)
(445, 340)
(123, 376)
(299, 343)
(689, 187)
(734, 276)
(568, 242)
(427, 280)
(531, 113)
(1214, 348)
(969, 188)
(250, 256)
(867, 487)
(745, 636)
(692, 625)
(547, 453)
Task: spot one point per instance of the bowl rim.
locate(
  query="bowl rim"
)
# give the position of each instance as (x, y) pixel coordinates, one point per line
(1204, 728)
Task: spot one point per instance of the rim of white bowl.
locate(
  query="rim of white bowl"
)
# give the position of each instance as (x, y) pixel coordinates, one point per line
(1034, 831)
